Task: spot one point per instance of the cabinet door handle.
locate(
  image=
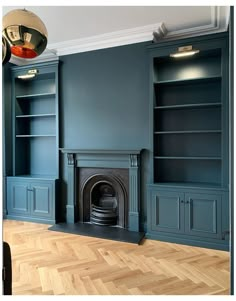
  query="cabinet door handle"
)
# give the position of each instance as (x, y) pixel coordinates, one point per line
(182, 201)
(29, 189)
(224, 234)
(187, 202)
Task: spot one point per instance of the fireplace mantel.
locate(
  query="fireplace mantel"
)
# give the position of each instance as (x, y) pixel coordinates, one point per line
(102, 158)
(100, 151)
(129, 159)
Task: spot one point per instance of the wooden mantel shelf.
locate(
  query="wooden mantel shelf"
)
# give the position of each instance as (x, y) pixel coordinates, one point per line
(100, 151)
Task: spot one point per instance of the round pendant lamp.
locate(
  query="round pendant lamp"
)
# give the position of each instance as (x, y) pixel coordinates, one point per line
(25, 32)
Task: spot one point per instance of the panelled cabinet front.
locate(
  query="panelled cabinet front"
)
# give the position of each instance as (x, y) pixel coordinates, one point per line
(18, 198)
(203, 214)
(42, 199)
(31, 200)
(187, 216)
(167, 212)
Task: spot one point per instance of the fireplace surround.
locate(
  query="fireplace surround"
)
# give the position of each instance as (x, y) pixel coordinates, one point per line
(118, 169)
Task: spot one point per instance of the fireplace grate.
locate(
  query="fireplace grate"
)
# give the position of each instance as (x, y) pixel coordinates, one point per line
(103, 216)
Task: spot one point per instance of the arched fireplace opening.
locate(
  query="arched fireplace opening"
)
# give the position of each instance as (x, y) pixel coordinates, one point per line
(104, 205)
(104, 197)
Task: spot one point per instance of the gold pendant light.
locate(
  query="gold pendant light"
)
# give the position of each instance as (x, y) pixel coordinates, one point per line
(25, 32)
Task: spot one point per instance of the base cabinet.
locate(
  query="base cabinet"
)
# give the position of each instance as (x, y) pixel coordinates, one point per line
(18, 198)
(31, 199)
(167, 211)
(203, 214)
(187, 216)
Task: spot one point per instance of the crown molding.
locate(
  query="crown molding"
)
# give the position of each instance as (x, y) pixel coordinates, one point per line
(219, 21)
(113, 39)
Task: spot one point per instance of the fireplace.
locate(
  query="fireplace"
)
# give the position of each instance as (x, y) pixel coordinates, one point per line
(103, 187)
(103, 196)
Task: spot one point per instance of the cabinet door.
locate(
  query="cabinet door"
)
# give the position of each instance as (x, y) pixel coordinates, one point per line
(18, 198)
(203, 215)
(167, 211)
(42, 195)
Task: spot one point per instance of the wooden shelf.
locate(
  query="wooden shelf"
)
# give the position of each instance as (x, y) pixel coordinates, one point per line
(190, 106)
(32, 136)
(189, 80)
(38, 95)
(36, 115)
(190, 184)
(186, 158)
(37, 176)
(188, 132)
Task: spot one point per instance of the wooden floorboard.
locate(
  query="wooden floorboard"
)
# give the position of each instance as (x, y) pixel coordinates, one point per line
(54, 263)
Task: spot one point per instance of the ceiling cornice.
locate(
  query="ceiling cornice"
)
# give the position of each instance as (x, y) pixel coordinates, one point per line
(218, 23)
(113, 39)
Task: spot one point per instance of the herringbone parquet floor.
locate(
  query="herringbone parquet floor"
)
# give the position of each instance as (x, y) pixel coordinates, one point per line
(53, 263)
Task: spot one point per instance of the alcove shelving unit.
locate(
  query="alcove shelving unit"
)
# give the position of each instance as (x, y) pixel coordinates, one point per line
(187, 124)
(189, 185)
(31, 190)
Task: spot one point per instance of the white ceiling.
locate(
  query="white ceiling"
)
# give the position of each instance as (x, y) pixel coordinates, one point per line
(73, 29)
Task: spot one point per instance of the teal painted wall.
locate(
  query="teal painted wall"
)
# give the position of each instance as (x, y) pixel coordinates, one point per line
(104, 103)
(104, 98)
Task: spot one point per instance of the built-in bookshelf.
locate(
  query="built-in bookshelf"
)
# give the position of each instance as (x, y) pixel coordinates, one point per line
(187, 119)
(32, 188)
(188, 194)
(35, 122)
